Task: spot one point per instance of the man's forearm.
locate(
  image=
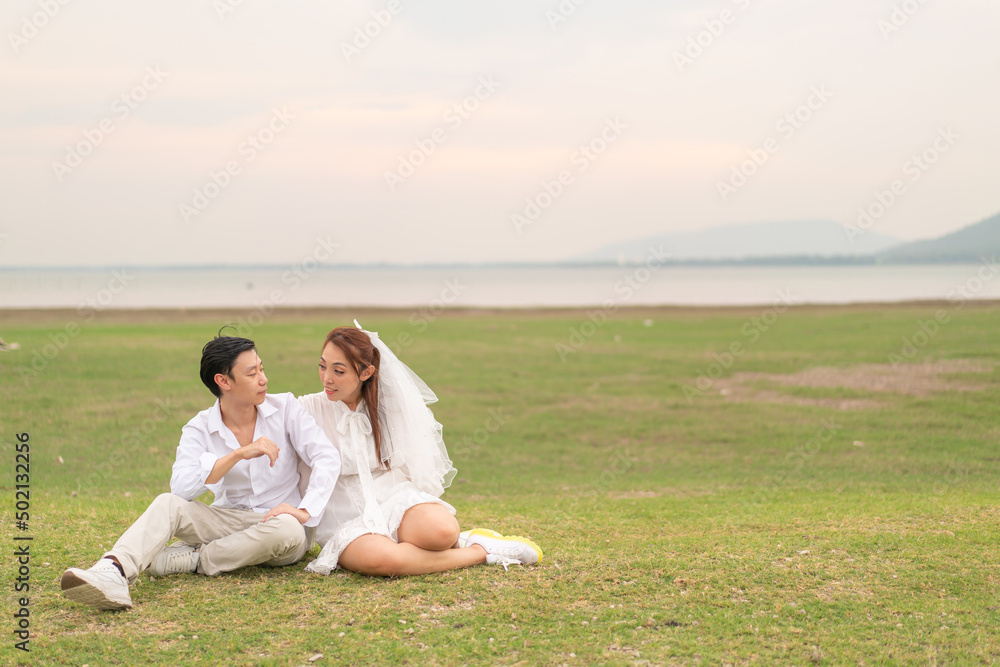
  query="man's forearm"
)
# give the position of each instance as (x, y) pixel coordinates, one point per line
(222, 466)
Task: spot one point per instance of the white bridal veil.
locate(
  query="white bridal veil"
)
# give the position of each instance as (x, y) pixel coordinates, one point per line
(411, 436)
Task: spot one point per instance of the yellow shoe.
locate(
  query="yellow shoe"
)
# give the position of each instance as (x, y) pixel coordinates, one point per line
(505, 550)
(464, 536)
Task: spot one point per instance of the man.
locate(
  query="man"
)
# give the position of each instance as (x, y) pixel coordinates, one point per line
(246, 450)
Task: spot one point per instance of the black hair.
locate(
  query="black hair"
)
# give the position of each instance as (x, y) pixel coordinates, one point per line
(219, 356)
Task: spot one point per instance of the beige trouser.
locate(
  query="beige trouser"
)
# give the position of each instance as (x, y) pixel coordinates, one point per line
(229, 538)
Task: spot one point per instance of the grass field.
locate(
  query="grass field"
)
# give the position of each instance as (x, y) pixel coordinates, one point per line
(714, 486)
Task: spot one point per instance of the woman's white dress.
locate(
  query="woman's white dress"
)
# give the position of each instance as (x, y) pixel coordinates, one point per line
(368, 499)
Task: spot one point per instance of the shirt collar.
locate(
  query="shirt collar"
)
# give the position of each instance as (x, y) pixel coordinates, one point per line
(215, 418)
(265, 410)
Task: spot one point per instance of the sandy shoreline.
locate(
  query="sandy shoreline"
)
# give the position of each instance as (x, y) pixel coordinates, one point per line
(180, 315)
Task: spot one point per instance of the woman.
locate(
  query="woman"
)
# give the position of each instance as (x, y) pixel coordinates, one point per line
(386, 517)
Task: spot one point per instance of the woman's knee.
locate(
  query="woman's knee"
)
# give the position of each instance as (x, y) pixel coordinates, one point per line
(434, 531)
(444, 532)
(429, 526)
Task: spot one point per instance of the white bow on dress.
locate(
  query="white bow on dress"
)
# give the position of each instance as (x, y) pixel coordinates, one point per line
(356, 428)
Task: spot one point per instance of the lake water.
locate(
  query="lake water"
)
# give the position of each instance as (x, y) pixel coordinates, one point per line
(492, 286)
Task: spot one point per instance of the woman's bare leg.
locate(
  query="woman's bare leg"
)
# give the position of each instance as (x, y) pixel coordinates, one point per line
(429, 526)
(379, 556)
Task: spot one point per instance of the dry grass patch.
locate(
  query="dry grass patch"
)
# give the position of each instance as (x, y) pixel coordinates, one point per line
(631, 495)
(834, 591)
(923, 379)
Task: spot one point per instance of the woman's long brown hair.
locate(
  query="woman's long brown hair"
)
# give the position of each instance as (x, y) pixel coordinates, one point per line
(361, 354)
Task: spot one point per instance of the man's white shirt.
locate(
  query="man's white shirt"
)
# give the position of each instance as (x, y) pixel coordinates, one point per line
(254, 484)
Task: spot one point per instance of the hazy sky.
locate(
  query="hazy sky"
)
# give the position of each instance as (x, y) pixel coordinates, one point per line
(243, 131)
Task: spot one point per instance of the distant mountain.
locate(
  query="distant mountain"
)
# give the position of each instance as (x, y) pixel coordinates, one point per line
(969, 244)
(802, 239)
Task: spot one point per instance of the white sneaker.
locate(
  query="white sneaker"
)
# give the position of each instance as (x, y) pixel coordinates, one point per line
(463, 537)
(505, 550)
(101, 586)
(176, 558)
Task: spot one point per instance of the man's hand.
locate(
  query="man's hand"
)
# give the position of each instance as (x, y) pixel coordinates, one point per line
(256, 449)
(284, 508)
(260, 447)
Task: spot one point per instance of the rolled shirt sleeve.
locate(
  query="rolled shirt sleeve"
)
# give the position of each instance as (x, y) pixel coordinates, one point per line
(192, 465)
(255, 484)
(314, 447)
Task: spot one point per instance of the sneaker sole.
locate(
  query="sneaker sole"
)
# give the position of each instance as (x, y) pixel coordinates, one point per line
(485, 531)
(538, 549)
(78, 590)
